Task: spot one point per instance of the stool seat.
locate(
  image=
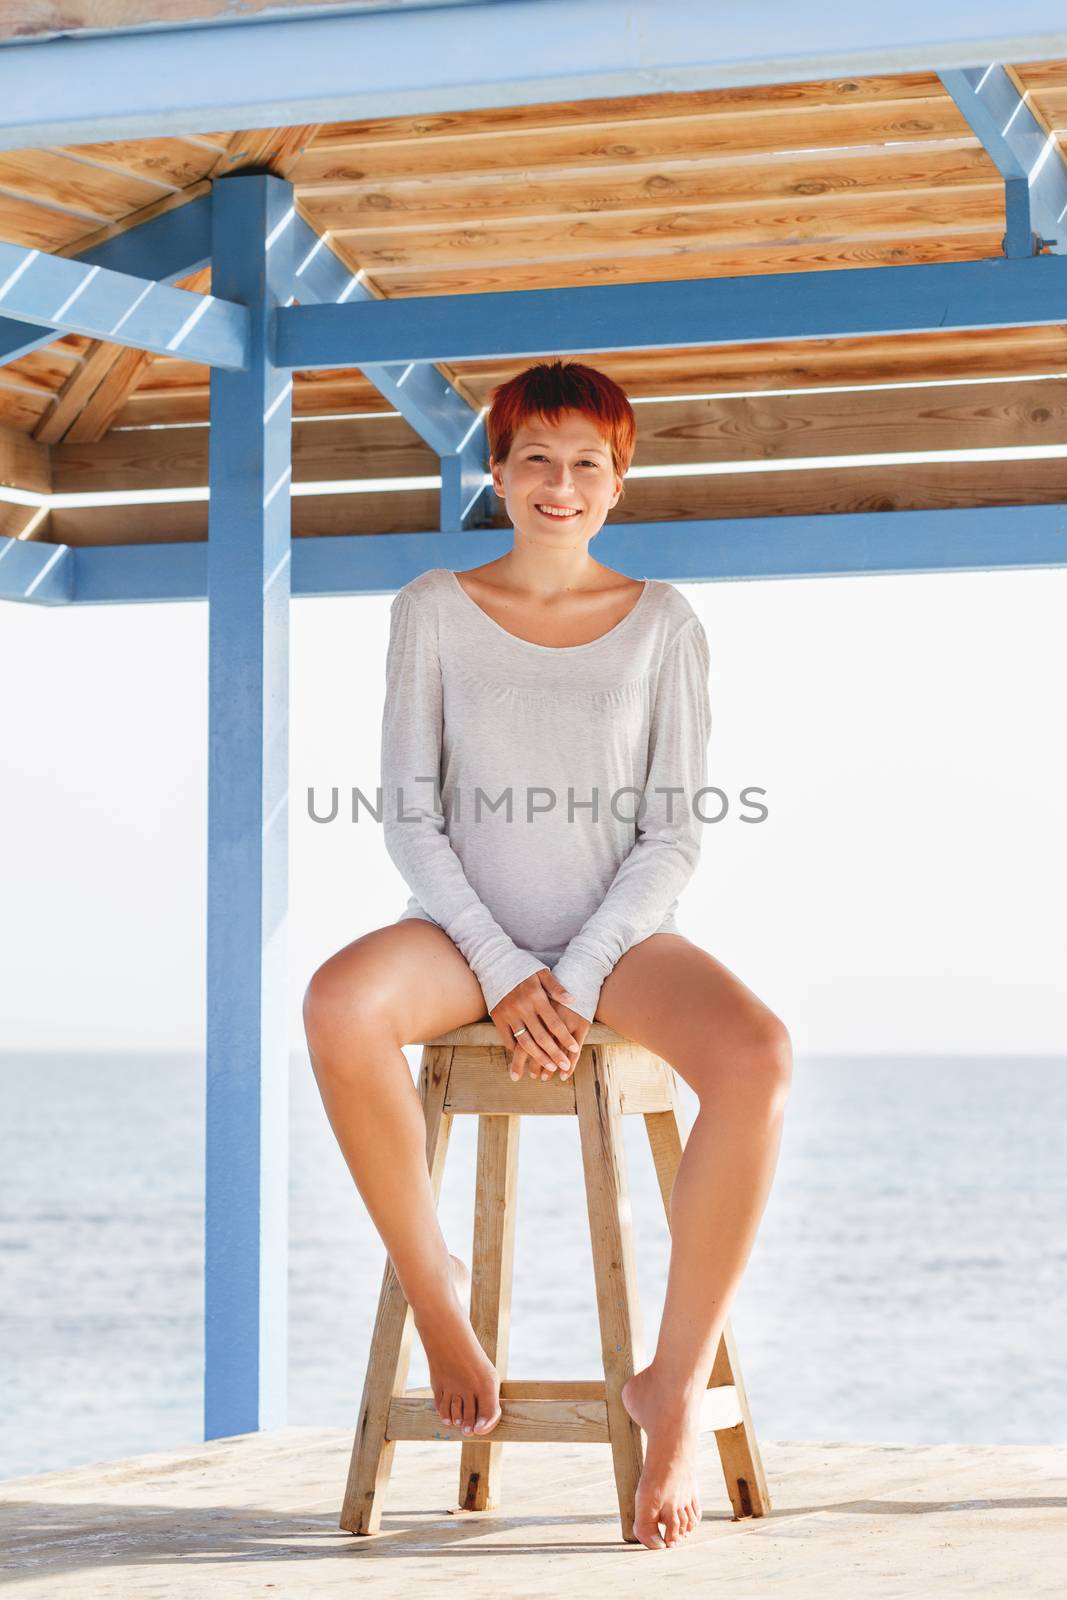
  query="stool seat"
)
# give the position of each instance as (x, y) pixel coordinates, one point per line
(466, 1071)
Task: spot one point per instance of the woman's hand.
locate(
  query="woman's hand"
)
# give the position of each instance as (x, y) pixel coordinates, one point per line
(549, 1043)
(578, 1027)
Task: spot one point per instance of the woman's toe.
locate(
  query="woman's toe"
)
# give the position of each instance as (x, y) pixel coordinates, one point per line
(488, 1417)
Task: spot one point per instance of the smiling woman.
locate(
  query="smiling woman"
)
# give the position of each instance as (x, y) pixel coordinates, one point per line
(561, 439)
(584, 692)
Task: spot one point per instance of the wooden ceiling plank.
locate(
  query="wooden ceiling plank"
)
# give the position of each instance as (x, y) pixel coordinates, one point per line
(654, 140)
(675, 433)
(642, 186)
(337, 393)
(24, 464)
(810, 492)
(808, 364)
(177, 391)
(826, 255)
(757, 100)
(21, 410)
(175, 162)
(39, 227)
(277, 150)
(544, 242)
(54, 178)
(375, 447)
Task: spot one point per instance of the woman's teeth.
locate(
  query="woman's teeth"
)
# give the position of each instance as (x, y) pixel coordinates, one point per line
(549, 511)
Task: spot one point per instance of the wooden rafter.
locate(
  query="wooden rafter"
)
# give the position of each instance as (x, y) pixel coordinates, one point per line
(99, 388)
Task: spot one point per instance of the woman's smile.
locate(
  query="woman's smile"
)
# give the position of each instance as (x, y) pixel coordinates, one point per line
(548, 509)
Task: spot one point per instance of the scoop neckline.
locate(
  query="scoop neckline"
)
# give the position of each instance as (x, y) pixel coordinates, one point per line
(554, 649)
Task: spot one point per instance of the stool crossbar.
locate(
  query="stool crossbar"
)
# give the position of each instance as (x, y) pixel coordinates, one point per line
(465, 1071)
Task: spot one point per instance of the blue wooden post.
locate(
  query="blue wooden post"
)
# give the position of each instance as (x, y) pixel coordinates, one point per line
(248, 582)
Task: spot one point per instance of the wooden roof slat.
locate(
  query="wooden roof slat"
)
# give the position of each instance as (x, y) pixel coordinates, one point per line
(63, 181)
(756, 100)
(177, 391)
(24, 464)
(277, 149)
(22, 409)
(640, 186)
(177, 162)
(810, 363)
(40, 227)
(721, 227)
(611, 144)
(688, 262)
(675, 433)
(777, 494)
(373, 447)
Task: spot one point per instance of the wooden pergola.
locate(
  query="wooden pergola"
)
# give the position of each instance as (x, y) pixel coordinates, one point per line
(261, 265)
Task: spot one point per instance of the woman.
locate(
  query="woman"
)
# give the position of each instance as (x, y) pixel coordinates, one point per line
(543, 744)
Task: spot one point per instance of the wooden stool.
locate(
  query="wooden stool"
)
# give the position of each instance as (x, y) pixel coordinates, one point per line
(466, 1070)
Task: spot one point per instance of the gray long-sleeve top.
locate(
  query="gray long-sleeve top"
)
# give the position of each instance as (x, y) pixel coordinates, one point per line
(526, 788)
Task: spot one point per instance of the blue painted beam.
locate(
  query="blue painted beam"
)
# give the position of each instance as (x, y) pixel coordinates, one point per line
(404, 62)
(420, 393)
(1028, 158)
(63, 293)
(994, 293)
(33, 571)
(247, 584)
(956, 539)
(168, 246)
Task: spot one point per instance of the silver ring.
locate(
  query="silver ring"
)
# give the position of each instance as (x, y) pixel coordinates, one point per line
(517, 1031)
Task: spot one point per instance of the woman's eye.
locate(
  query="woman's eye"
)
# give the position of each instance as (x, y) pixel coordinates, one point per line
(583, 463)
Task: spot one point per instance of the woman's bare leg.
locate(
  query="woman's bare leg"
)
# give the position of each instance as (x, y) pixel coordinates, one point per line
(400, 985)
(673, 997)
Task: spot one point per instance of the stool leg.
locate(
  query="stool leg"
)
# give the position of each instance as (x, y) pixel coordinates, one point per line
(390, 1347)
(493, 1254)
(607, 1197)
(738, 1446)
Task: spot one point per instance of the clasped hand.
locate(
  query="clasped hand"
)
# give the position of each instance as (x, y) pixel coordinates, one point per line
(554, 1032)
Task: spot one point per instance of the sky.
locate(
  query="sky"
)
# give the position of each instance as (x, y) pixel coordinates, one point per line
(905, 892)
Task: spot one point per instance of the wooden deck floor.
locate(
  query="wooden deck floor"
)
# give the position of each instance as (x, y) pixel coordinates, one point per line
(257, 1514)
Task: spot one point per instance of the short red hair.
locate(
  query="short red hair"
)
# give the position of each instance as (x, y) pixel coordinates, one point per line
(549, 387)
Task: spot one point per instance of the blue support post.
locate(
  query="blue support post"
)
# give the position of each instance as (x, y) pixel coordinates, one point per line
(248, 587)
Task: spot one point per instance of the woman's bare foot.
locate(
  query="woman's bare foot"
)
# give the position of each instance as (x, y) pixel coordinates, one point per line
(466, 1388)
(667, 1492)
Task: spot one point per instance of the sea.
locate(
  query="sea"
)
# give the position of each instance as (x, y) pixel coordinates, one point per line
(908, 1282)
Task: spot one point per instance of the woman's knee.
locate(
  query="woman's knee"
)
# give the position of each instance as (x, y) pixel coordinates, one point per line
(754, 1060)
(339, 1006)
(768, 1058)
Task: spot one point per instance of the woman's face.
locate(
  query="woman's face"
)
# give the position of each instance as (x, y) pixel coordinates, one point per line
(564, 466)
